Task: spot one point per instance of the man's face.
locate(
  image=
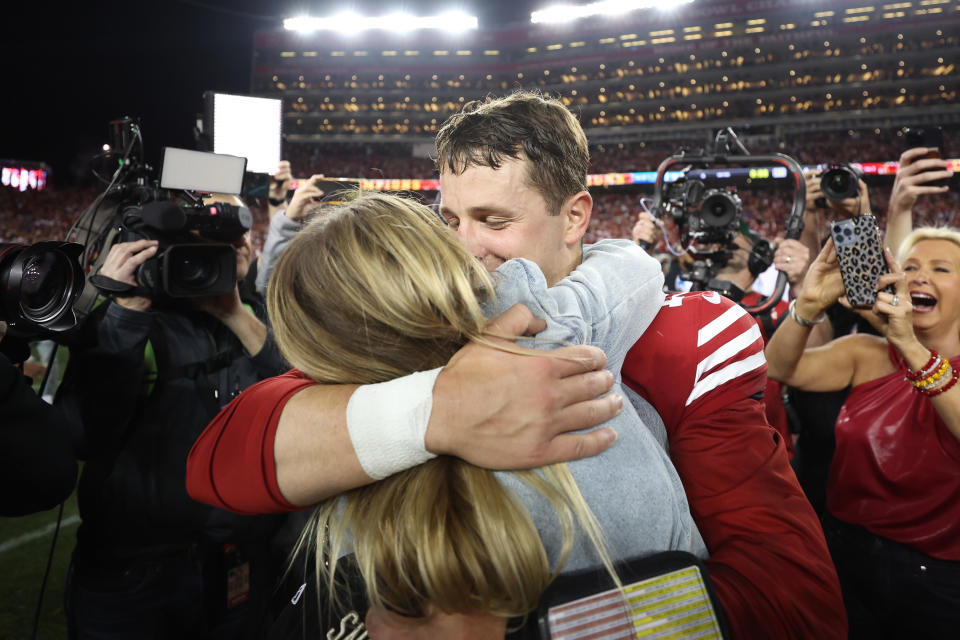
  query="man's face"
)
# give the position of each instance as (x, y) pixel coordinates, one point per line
(498, 215)
(244, 249)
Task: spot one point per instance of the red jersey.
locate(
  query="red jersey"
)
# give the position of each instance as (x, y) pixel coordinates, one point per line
(701, 365)
(896, 471)
(772, 400)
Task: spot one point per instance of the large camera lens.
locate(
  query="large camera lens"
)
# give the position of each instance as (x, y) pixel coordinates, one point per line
(719, 209)
(40, 283)
(190, 270)
(45, 283)
(840, 182)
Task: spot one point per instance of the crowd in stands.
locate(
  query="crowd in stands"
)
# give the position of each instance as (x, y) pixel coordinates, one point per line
(358, 161)
(31, 216)
(354, 160)
(27, 217)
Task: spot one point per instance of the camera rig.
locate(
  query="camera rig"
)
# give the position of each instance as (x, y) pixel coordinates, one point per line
(709, 217)
(195, 254)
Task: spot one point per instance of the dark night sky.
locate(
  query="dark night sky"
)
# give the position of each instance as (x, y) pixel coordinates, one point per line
(68, 72)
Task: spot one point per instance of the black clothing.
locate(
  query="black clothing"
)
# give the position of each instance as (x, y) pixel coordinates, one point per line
(38, 468)
(145, 385)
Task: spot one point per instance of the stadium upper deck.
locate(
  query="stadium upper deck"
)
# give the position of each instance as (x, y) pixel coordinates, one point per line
(776, 66)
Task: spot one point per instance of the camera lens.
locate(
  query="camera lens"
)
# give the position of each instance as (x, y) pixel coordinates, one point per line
(45, 284)
(40, 283)
(193, 272)
(840, 182)
(719, 209)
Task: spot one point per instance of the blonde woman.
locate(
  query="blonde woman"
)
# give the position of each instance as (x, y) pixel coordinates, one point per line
(893, 522)
(377, 289)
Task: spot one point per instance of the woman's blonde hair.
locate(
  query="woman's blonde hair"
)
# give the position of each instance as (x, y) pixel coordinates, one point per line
(927, 233)
(369, 291)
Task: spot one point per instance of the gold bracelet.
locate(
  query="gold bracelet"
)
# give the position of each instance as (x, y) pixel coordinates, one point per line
(928, 383)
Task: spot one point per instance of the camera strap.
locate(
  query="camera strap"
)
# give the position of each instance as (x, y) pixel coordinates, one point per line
(110, 287)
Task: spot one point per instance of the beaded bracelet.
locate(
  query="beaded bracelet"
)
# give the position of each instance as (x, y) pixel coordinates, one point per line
(935, 392)
(803, 322)
(932, 365)
(927, 382)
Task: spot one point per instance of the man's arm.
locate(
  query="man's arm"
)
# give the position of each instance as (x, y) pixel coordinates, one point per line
(283, 443)
(768, 558)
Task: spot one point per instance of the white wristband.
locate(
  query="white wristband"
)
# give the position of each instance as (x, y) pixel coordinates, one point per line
(387, 423)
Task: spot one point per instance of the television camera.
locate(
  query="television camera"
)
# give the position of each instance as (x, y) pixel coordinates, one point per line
(195, 256)
(697, 192)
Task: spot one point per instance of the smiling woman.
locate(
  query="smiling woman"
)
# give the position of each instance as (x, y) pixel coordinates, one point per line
(894, 521)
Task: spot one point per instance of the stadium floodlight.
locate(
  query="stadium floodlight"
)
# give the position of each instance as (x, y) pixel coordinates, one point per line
(561, 13)
(400, 22)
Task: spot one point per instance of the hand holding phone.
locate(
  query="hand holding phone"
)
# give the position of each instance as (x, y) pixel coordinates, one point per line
(918, 174)
(931, 139)
(860, 257)
(305, 198)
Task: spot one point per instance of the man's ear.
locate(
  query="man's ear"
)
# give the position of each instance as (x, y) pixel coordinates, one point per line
(578, 210)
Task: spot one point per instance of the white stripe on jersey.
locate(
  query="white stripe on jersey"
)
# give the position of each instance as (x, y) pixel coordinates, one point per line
(729, 372)
(718, 324)
(728, 350)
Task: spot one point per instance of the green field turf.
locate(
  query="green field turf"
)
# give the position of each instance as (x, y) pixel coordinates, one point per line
(24, 549)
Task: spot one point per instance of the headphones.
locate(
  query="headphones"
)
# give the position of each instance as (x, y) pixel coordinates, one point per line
(761, 251)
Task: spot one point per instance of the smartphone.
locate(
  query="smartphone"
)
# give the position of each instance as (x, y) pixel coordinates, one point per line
(665, 595)
(929, 137)
(932, 139)
(335, 191)
(860, 256)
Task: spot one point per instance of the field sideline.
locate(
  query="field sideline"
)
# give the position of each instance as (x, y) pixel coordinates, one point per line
(24, 548)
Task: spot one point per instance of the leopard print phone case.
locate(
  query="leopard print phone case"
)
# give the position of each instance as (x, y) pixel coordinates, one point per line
(860, 256)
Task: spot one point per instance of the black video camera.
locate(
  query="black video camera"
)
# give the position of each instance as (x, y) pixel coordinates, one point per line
(196, 254)
(39, 284)
(697, 190)
(711, 216)
(839, 181)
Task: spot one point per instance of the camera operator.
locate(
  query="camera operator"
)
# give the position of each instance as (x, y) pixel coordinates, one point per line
(145, 378)
(38, 468)
(914, 176)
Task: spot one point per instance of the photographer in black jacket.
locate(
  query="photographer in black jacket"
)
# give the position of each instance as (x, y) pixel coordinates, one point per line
(38, 468)
(145, 379)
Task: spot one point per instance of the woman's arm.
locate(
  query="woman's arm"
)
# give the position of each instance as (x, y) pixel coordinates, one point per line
(827, 368)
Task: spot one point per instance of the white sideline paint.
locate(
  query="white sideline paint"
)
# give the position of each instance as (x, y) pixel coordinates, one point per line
(23, 539)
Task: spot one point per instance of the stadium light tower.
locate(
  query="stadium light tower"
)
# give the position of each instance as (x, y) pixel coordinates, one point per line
(452, 21)
(561, 13)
